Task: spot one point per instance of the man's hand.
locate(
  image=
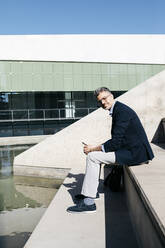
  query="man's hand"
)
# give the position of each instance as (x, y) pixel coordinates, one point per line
(89, 148)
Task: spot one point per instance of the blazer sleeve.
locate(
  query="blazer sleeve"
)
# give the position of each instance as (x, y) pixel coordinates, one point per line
(120, 125)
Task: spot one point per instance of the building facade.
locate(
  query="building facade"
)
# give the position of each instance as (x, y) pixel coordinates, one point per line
(47, 82)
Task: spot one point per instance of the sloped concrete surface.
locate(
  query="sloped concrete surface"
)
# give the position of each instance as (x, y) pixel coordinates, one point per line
(64, 149)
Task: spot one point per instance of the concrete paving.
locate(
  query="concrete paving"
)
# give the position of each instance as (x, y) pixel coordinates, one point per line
(58, 228)
(109, 227)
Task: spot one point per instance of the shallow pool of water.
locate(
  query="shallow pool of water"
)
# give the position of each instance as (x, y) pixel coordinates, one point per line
(23, 200)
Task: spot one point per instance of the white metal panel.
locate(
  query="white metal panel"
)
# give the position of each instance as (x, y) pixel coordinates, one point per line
(148, 49)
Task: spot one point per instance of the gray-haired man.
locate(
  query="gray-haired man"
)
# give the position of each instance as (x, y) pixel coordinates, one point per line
(128, 146)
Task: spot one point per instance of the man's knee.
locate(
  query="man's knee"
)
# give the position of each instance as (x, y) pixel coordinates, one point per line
(92, 156)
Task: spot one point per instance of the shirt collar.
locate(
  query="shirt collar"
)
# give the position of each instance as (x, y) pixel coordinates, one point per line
(111, 109)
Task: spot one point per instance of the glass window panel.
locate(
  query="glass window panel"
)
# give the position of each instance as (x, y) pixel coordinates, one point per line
(36, 128)
(118, 93)
(91, 110)
(50, 127)
(80, 104)
(5, 115)
(52, 113)
(90, 100)
(19, 101)
(6, 129)
(5, 101)
(20, 128)
(81, 112)
(39, 101)
(31, 100)
(78, 95)
(50, 100)
(36, 114)
(20, 114)
(62, 113)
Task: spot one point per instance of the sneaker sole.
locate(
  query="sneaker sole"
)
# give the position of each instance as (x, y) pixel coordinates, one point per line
(83, 212)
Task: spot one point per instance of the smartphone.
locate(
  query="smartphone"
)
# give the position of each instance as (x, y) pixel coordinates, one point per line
(84, 144)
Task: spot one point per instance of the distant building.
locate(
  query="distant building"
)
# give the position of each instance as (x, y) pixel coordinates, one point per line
(47, 81)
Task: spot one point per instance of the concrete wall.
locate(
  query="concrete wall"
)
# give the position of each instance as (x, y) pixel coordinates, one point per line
(86, 48)
(64, 149)
(145, 231)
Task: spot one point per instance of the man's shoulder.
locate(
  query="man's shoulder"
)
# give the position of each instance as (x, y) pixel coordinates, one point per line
(119, 106)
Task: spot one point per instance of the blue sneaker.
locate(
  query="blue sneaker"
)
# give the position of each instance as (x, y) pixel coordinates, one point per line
(82, 208)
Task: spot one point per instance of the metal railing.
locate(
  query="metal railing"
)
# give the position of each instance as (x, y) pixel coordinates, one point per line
(44, 114)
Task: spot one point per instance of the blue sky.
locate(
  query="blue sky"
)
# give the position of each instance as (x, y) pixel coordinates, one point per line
(82, 16)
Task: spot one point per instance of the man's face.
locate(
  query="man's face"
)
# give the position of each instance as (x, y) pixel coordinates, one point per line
(106, 99)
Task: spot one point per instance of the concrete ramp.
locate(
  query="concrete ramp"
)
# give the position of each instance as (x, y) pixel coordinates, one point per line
(64, 149)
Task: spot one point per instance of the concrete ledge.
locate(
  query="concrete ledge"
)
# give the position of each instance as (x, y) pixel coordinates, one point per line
(22, 140)
(145, 190)
(40, 171)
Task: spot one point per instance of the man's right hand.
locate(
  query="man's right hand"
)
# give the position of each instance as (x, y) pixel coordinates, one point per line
(89, 148)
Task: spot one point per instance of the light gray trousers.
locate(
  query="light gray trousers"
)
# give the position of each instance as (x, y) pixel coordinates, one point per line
(93, 163)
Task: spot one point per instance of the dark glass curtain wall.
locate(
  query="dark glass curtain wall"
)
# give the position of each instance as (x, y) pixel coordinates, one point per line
(38, 113)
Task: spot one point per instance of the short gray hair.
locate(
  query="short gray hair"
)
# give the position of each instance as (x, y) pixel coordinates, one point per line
(101, 89)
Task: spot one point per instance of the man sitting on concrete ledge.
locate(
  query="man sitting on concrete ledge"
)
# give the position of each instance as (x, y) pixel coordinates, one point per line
(128, 146)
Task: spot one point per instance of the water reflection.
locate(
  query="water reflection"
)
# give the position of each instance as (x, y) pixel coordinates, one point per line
(23, 200)
(7, 154)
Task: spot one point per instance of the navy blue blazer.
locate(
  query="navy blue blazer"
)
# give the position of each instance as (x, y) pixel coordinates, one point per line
(129, 140)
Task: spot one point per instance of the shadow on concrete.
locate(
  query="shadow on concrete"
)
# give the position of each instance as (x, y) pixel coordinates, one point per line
(159, 136)
(118, 227)
(75, 187)
(14, 240)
